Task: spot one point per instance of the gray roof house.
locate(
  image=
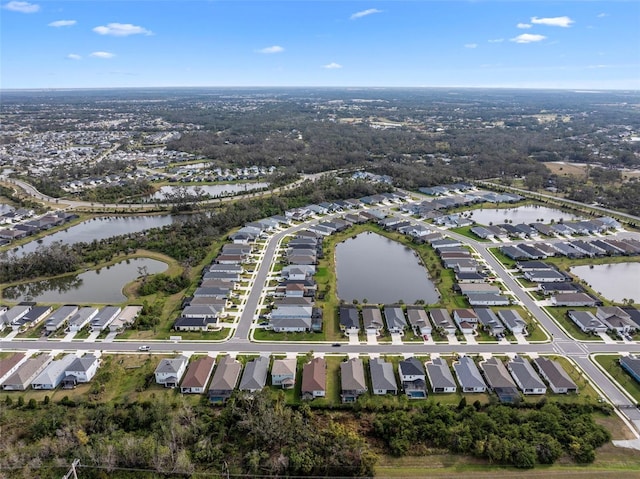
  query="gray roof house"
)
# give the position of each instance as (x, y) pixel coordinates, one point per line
(558, 379)
(81, 370)
(10, 365)
(573, 300)
(487, 299)
(372, 319)
(283, 373)
(442, 320)
(224, 379)
(28, 370)
(489, 321)
(352, 380)
(396, 322)
(81, 318)
(170, 370)
(615, 318)
(469, 376)
(413, 378)
(53, 374)
(499, 380)
(587, 322)
(419, 320)
(349, 319)
(440, 376)
(254, 377)
(383, 379)
(525, 376)
(513, 321)
(104, 317)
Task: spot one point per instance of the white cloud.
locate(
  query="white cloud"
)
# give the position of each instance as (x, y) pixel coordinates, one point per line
(528, 38)
(62, 23)
(523, 25)
(102, 55)
(121, 30)
(365, 13)
(471, 45)
(74, 56)
(332, 66)
(22, 7)
(564, 22)
(272, 49)
(496, 40)
(602, 15)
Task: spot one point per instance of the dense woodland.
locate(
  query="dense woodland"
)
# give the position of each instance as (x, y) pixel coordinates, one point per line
(261, 435)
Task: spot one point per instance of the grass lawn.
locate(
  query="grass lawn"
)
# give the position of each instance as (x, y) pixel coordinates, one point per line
(268, 335)
(610, 363)
(506, 261)
(466, 231)
(560, 316)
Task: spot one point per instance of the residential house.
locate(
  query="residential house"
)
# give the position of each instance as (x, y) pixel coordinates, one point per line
(81, 370)
(224, 379)
(32, 317)
(13, 315)
(413, 378)
(490, 321)
(547, 276)
(21, 379)
(125, 319)
(587, 322)
(513, 321)
(104, 317)
(54, 373)
(396, 322)
(616, 319)
(440, 376)
(197, 376)
(525, 376)
(499, 380)
(283, 373)
(372, 319)
(352, 380)
(558, 379)
(466, 319)
(314, 379)
(349, 319)
(469, 375)
(488, 299)
(442, 320)
(383, 379)
(631, 364)
(254, 377)
(10, 365)
(170, 370)
(81, 318)
(419, 320)
(59, 317)
(574, 300)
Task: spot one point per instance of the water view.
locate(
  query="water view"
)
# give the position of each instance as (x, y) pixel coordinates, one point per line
(212, 191)
(97, 286)
(100, 228)
(522, 214)
(380, 270)
(615, 282)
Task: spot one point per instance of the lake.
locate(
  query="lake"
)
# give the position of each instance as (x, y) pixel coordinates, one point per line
(522, 214)
(212, 190)
(101, 228)
(380, 270)
(96, 286)
(615, 282)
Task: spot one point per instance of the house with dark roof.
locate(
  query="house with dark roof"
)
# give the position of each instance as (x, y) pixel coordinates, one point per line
(197, 376)
(383, 379)
(489, 321)
(224, 379)
(394, 316)
(314, 379)
(587, 322)
(352, 380)
(525, 376)
(552, 372)
(372, 319)
(469, 376)
(513, 321)
(440, 376)
(616, 319)
(631, 364)
(413, 378)
(349, 319)
(170, 370)
(418, 320)
(442, 320)
(81, 370)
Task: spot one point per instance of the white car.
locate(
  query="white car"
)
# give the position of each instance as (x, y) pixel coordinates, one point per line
(144, 348)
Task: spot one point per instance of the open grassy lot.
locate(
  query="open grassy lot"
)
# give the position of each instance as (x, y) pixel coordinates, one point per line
(609, 363)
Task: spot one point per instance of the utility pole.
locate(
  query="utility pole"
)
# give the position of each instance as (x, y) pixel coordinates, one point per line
(72, 472)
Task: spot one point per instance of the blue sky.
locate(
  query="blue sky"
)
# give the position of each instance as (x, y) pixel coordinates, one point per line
(155, 43)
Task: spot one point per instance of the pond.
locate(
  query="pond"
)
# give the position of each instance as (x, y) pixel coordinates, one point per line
(380, 270)
(100, 228)
(96, 286)
(212, 191)
(615, 282)
(523, 214)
